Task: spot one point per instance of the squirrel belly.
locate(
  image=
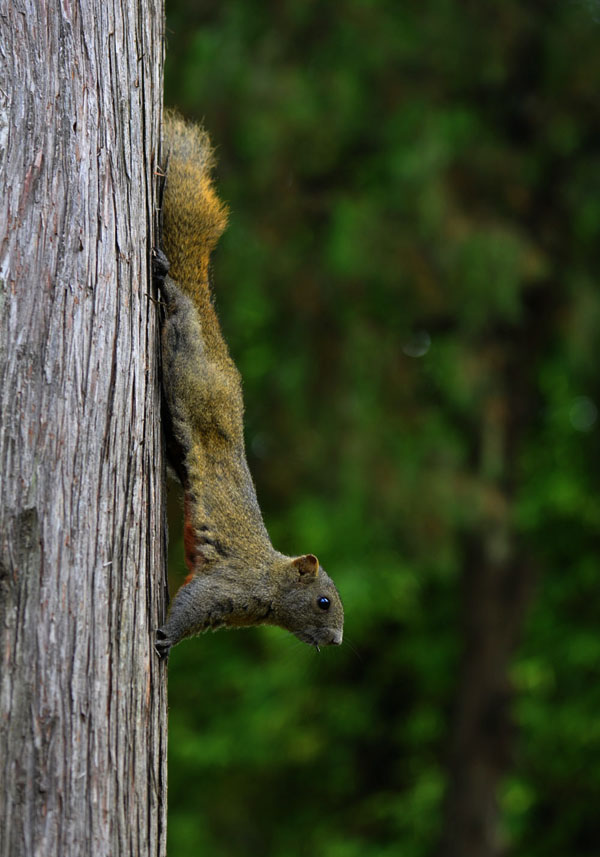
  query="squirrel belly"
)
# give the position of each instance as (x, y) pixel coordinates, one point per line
(237, 579)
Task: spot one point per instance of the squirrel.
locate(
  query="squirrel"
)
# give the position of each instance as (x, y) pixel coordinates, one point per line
(237, 579)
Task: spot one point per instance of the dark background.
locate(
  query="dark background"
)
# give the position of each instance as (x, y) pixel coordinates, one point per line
(409, 285)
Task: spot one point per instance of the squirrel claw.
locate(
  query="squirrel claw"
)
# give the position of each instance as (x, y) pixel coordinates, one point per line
(162, 645)
(160, 265)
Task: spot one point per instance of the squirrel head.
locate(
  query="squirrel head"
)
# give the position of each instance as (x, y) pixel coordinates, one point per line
(307, 602)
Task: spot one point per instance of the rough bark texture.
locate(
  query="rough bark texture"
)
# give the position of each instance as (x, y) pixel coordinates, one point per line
(82, 546)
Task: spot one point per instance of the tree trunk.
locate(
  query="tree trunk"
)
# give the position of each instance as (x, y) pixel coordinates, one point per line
(497, 590)
(498, 583)
(82, 545)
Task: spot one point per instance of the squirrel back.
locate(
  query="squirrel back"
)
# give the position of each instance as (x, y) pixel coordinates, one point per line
(237, 578)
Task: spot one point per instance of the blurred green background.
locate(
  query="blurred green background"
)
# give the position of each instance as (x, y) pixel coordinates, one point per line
(409, 285)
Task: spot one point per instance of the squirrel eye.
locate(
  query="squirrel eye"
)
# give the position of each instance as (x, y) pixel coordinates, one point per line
(323, 602)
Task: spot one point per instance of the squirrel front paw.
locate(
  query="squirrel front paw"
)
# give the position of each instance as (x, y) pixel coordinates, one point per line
(162, 644)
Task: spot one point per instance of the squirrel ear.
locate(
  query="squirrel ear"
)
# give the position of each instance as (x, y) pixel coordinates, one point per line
(307, 564)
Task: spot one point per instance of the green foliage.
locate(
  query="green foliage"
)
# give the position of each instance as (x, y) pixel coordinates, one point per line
(406, 182)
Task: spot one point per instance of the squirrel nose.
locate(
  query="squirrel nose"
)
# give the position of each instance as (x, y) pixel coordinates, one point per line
(336, 639)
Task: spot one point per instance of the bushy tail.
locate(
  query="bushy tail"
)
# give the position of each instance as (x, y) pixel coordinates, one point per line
(193, 216)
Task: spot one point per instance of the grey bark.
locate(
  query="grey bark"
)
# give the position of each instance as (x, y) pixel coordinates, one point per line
(82, 544)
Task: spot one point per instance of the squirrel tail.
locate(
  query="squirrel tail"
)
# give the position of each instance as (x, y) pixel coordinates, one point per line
(193, 215)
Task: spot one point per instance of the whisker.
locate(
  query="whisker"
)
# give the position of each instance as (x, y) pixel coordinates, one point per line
(353, 649)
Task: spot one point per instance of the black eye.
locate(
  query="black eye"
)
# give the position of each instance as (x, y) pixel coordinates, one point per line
(323, 602)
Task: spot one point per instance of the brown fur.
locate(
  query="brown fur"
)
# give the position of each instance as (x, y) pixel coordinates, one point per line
(237, 578)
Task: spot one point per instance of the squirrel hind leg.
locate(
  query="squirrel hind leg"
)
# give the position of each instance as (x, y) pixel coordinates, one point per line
(176, 300)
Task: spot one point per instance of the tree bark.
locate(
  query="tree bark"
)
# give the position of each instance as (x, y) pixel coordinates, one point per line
(82, 524)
